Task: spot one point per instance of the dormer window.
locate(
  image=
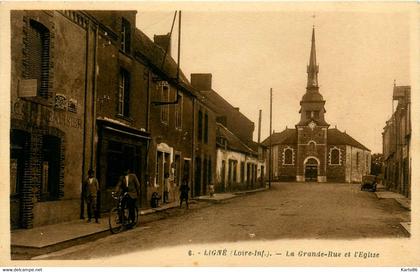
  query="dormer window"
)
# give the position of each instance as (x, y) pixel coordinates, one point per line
(125, 36)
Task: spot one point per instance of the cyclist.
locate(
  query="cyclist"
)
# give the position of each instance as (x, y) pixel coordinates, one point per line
(129, 184)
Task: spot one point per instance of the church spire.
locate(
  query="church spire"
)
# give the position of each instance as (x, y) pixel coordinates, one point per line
(312, 68)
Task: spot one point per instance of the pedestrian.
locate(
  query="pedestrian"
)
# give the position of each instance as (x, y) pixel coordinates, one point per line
(91, 188)
(166, 188)
(129, 184)
(184, 188)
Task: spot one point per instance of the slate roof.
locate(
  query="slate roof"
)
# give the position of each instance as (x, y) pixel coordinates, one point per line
(233, 142)
(220, 103)
(155, 54)
(335, 137)
(287, 136)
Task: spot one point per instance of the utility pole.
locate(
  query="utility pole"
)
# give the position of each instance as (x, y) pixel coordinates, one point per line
(259, 127)
(270, 175)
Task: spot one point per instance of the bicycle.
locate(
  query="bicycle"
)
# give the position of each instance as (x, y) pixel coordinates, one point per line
(118, 216)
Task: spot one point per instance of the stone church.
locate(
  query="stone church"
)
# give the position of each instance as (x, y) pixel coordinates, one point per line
(312, 151)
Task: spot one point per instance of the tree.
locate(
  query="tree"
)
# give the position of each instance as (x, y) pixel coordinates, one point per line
(376, 164)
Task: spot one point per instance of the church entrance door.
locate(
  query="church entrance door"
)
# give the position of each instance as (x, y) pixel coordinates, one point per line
(311, 170)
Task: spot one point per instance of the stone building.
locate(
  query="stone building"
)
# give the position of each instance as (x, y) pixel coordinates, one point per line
(239, 161)
(312, 151)
(396, 139)
(121, 90)
(51, 117)
(182, 142)
(91, 91)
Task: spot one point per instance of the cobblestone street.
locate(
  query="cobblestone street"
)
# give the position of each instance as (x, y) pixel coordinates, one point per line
(287, 211)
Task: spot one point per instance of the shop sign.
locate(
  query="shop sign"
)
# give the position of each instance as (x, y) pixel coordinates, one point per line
(28, 88)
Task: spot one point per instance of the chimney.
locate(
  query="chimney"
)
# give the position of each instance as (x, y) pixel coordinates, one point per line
(236, 108)
(201, 82)
(163, 41)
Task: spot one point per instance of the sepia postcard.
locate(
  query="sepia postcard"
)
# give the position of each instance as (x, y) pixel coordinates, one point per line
(210, 134)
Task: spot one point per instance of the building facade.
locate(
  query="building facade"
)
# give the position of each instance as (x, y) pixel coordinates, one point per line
(396, 139)
(51, 118)
(239, 163)
(91, 91)
(312, 151)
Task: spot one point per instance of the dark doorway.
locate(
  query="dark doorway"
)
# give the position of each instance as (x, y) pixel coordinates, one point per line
(197, 178)
(311, 170)
(117, 157)
(121, 156)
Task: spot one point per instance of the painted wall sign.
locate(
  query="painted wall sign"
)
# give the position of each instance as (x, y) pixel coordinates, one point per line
(60, 101)
(72, 105)
(49, 117)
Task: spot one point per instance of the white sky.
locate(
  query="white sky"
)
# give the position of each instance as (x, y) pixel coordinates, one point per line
(359, 55)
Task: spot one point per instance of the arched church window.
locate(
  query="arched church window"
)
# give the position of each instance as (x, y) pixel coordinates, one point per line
(335, 156)
(288, 156)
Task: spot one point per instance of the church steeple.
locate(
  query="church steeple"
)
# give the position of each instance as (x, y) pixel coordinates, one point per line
(312, 103)
(312, 68)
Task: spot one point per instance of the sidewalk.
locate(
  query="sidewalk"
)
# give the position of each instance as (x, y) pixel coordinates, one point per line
(27, 243)
(49, 238)
(401, 199)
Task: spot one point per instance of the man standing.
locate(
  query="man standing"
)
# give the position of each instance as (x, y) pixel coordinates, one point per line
(184, 188)
(91, 188)
(128, 183)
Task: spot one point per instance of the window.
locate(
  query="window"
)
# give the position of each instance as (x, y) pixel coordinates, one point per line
(288, 156)
(311, 146)
(308, 114)
(124, 93)
(164, 116)
(357, 159)
(232, 170)
(223, 171)
(206, 128)
(316, 114)
(179, 112)
(39, 56)
(367, 162)
(335, 156)
(200, 126)
(125, 36)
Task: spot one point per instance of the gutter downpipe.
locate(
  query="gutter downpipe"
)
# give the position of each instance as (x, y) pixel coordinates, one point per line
(82, 203)
(95, 60)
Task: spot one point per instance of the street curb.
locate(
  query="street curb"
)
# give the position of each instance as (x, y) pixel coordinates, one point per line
(252, 191)
(36, 251)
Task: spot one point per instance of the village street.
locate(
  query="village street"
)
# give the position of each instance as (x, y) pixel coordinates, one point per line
(288, 210)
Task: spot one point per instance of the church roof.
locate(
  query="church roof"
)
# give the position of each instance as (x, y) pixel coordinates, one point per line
(335, 137)
(287, 136)
(233, 142)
